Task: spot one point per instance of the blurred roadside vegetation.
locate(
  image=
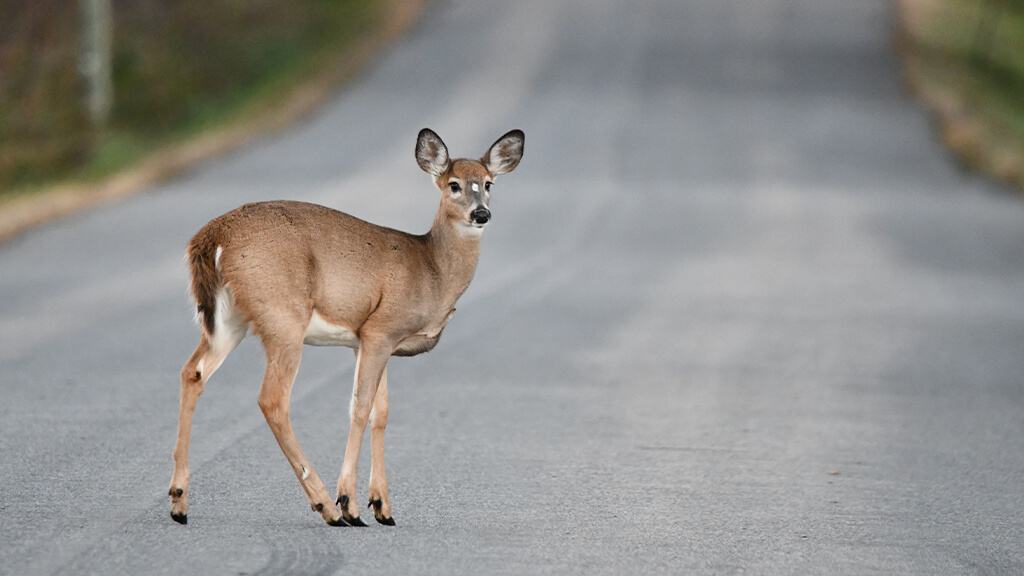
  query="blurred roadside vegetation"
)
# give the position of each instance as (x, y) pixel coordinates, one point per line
(178, 67)
(965, 59)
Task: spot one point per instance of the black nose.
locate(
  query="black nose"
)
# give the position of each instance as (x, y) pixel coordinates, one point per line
(481, 215)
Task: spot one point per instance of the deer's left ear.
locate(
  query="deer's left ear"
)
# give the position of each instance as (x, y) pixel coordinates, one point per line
(505, 154)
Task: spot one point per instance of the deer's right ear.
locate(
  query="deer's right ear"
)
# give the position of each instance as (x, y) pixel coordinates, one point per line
(431, 153)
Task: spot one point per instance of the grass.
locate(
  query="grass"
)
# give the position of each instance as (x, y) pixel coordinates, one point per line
(965, 59)
(292, 80)
(176, 83)
(282, 66)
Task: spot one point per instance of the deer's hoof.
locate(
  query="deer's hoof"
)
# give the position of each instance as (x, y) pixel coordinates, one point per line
(343, 501)
(377, 505)
(179, 518)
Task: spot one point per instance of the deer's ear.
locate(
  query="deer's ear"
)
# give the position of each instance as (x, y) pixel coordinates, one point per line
(431, 153)
(505, 154)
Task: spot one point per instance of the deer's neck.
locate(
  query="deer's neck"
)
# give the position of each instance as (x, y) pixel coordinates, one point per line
(456, 250)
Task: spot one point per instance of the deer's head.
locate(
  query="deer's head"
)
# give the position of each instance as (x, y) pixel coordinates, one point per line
(465, 184)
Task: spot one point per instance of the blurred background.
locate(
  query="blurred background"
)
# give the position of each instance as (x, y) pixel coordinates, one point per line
(965, 58)
(737, 311)
(89, 87)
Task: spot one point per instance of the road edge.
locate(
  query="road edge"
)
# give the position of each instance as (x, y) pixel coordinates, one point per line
(959, 128)
(25, 212)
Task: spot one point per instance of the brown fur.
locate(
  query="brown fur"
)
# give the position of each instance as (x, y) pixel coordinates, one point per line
(282, 262)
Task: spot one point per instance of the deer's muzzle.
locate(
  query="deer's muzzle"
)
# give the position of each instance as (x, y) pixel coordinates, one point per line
(480, 216)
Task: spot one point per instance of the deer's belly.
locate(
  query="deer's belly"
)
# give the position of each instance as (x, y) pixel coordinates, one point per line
(320, 332)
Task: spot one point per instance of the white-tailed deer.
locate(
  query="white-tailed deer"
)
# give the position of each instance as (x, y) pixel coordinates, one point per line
(297, 273)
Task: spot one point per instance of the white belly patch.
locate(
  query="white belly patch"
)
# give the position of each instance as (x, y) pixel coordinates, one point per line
(320, 332)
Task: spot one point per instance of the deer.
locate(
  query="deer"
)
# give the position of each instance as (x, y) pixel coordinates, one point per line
(295, 274)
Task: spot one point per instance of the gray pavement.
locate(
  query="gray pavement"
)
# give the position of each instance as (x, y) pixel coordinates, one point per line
(737, 312)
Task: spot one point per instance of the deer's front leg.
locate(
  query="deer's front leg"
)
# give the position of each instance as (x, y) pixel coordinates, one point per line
(378, 479)
(372, 360)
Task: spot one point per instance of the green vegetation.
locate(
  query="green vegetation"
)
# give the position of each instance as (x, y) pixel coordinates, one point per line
(966, 60)
(179, 67)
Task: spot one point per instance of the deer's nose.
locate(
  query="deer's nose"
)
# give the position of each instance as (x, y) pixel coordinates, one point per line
(481, 215)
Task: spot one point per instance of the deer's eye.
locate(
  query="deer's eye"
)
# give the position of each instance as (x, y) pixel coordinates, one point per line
(487, 186)
(455, 187)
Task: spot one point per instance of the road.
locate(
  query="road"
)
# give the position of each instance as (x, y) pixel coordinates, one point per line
(736, 312)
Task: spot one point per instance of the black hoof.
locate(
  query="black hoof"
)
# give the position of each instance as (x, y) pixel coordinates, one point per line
(376, 505)
(179, 518)
(343, 504)
(338, 522)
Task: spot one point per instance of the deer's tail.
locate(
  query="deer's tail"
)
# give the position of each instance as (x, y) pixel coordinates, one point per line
(203, 253)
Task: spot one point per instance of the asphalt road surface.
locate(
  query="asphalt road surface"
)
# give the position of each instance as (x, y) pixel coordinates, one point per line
(736, 312)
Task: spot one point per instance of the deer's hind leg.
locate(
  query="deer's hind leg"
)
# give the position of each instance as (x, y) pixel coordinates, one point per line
(207, 357)
(282, 366)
